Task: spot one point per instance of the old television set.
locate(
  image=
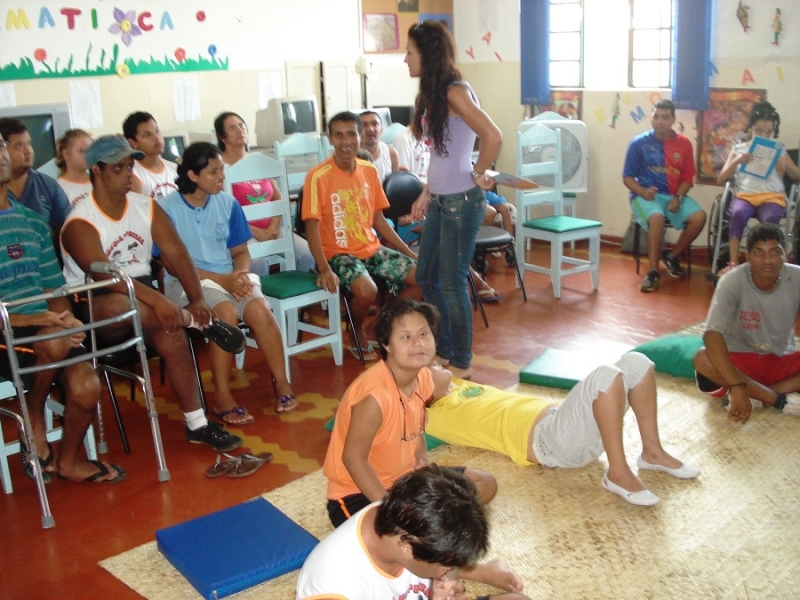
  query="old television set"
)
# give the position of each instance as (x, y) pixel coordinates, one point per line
(285, 116)
(401, 114)
(46, 123)
(175, 143)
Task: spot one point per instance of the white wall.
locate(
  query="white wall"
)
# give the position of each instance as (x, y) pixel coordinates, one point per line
(498, 85)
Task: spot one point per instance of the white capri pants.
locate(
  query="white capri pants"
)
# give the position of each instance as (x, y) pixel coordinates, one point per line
(213, 293)
(568, 437)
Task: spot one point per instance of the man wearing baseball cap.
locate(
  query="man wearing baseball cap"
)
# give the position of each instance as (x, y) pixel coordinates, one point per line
(121, 227)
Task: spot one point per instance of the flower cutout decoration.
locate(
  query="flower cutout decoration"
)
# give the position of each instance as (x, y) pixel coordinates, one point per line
(40, 54)
(212, 50)
(123, 70)
(125, 25)
(201, 15)
(180, 54)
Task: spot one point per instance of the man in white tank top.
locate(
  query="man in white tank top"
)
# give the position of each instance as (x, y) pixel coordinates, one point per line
(383, 156)
(152, 175)
(118, 226)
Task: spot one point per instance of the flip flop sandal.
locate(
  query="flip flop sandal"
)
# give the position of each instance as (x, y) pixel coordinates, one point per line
(239, 411)
(285, 404)
(95, 477)
(249, 464)
(369, 353)
(24, 455)
(489, 295)
(222, 466)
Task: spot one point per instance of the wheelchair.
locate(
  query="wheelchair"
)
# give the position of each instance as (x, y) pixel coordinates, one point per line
(719, 220)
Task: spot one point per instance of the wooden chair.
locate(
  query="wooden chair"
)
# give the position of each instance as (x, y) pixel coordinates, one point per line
(289, 290)
(557, 229)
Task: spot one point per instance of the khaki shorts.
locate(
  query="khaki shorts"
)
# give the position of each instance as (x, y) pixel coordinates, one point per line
(213, 293)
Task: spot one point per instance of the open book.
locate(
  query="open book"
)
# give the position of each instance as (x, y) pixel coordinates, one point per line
(509, 180)
(765, 154)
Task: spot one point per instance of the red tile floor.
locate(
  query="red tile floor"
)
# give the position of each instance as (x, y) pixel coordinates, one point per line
(94, 521)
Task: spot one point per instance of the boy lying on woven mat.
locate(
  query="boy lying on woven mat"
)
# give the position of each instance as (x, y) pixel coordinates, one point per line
(572, 434)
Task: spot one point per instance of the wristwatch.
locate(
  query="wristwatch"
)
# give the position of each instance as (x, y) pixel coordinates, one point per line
(475, 174)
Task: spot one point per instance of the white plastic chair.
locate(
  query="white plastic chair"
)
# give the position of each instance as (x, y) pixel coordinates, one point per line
(296, 146)
(557, 229)
(9, 448)
(49, 168)
(288, 290)
(391, 132)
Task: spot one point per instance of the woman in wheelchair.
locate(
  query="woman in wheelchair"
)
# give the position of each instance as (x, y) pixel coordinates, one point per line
(764, 199)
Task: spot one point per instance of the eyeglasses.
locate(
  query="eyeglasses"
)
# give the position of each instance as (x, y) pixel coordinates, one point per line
(236, 127)
(422, 425)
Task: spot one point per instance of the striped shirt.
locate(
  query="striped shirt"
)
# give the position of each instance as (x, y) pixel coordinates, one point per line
(28, 266)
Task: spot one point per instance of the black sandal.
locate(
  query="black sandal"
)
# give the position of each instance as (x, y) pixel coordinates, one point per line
(24, 455)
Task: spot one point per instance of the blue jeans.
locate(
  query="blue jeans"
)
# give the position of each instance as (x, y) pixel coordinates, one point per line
(445, 254)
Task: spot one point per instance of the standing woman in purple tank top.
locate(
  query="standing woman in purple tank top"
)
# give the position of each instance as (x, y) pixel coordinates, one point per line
(447, 114)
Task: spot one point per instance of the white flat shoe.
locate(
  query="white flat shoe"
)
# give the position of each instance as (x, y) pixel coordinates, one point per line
(642, 498)
(683, 472)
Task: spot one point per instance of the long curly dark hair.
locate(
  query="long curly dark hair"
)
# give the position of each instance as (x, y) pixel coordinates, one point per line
(766, 112)
(437, 72)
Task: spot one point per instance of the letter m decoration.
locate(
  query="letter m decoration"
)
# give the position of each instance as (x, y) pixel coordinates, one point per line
(638, 115)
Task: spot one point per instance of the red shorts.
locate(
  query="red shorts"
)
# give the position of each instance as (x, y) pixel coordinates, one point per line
(766, 369)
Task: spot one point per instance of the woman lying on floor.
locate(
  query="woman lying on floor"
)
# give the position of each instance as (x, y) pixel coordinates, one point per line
(569, 435)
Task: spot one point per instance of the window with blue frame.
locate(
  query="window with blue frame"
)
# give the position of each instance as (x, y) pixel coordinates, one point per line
(566, 43)
(650, 48)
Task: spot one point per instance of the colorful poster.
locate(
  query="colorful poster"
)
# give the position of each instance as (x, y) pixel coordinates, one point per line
(567, 103)
(722, 125)
(51, 41)
(381, 33)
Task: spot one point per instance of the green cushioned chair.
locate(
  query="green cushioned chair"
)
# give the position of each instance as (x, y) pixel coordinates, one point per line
(557, 229)
(289, 290)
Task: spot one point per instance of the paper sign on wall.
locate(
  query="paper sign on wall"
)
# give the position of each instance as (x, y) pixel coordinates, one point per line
(186, 98)
(85, 104)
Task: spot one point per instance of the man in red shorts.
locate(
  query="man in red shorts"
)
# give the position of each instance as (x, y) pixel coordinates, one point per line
(749, 339)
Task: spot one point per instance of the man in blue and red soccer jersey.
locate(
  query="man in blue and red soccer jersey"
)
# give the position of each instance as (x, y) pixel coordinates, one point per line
(659, 169)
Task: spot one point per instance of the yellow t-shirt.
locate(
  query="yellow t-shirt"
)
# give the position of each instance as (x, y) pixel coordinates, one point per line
(481, 416)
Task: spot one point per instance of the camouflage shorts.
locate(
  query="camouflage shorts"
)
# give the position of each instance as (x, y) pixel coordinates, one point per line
(388, 264)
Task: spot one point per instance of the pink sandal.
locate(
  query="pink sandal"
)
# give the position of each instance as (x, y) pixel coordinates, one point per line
(285, 404)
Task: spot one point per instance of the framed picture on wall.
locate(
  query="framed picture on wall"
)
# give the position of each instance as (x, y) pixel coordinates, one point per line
(567, 103)
(443, 18)
(722, 125)
(380, 32)
(407, 6)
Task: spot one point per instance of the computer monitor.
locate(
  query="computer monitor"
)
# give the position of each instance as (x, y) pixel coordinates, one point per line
(46, 123)
(401, 114)
(175, 143)
(285, 116)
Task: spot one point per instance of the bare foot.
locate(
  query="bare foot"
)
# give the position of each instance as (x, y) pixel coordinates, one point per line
(496, 573)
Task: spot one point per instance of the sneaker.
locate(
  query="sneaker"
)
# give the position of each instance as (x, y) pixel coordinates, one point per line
(228, 337)
(792, 404)
(215, 436)
(651, 281)
(674, 267)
